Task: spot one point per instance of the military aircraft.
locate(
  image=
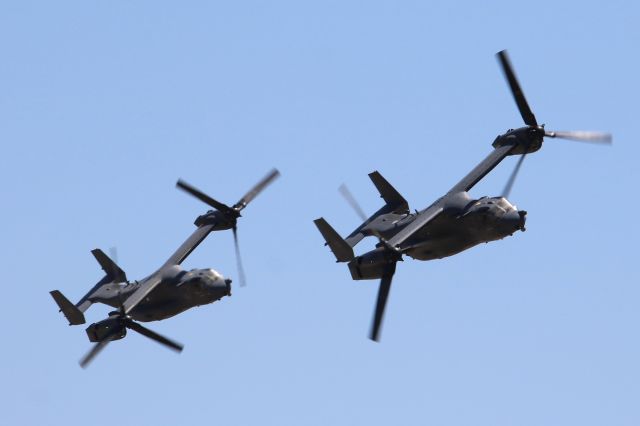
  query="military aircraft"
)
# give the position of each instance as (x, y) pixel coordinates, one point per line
(451, 224)
(168, 291)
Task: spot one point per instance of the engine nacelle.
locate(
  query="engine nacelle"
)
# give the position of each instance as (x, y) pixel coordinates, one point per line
(371, 265)
(526, 139)
(216, 218)
(111, 326)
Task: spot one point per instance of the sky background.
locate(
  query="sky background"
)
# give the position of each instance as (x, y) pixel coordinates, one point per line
(104, 105)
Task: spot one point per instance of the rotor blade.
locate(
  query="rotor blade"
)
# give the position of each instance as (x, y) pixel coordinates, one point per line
(202, 196)
(257, 189)
(383, 295)
(84, 362)
(153, 335)
(516, 90)
(242, 277)
(352, 201)
(507, 188)
(582, 136)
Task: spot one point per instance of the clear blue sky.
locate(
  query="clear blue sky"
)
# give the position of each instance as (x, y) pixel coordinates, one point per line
(104, 105)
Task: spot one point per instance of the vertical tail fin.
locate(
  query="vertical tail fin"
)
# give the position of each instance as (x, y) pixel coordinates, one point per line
(340, 248)
(394, 203)
(113, 274)
(388, 193)
(110, 268)
(73, 314)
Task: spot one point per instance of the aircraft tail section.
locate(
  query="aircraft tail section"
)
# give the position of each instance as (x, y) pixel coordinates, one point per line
(110, 268)
(70, 311)
(75, 313)
(394, 203)
(340, 248)
(86, 301)
(388, 193)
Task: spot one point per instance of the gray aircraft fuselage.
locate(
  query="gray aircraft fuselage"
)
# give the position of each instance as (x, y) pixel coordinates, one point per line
(168, 291)
(178, 291)
(459, 222)
(464, 223)
(451, 224)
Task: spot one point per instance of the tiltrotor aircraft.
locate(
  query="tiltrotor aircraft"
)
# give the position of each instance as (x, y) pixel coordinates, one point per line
(166, 292)
(454, 222)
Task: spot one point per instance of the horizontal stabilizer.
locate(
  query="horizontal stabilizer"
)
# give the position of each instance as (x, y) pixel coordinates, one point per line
(339, 247)
(112, 270)
(388, 193)
(73, 314)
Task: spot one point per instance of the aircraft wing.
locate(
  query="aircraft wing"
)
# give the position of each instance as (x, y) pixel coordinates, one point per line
(423, 218)
(176, 258)
(189, 245)
(481, 170)
(143, 291)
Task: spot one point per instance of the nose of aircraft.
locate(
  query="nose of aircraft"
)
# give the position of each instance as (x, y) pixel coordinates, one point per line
(221, 286)
(523, 219)
(216, 284)
(515, 220)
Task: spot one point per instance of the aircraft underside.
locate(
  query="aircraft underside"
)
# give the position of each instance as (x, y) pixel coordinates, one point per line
(457, 239)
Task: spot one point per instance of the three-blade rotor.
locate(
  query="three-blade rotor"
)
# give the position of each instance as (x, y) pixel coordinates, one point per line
(530, 119)
(229, 215)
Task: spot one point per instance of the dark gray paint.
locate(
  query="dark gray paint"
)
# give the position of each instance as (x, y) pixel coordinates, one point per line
(453, 223)
(168, 291)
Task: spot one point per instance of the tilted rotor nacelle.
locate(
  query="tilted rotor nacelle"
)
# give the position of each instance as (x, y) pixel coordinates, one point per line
(373, 264)
(219, 220)
(113, 326)
(526, 139)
